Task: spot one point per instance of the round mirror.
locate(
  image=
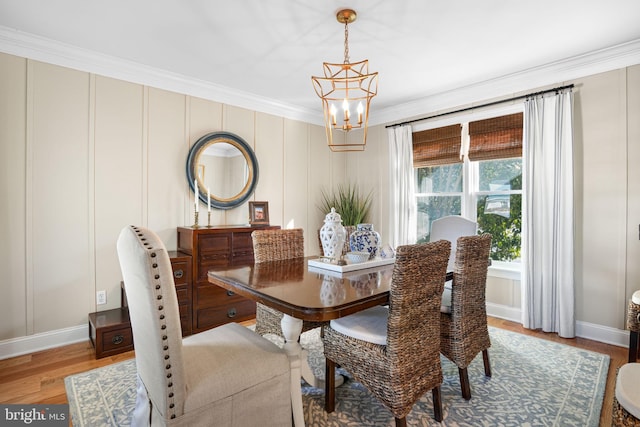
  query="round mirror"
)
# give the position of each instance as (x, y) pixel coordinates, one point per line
(225, 166)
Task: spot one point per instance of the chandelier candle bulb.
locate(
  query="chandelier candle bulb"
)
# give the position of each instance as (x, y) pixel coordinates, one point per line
(208, 200)
(360, 109)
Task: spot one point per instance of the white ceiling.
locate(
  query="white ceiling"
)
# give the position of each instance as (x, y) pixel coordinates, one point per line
(267, 50)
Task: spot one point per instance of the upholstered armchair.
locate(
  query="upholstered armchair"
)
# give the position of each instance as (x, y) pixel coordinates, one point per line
(394, 351)
(277, 245)
(226, 376)
(463, 320)
(450, 228)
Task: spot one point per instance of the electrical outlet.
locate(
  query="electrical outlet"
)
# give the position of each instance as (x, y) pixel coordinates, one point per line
(101, 297)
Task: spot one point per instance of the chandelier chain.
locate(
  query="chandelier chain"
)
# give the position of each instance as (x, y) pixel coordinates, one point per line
(346, 43)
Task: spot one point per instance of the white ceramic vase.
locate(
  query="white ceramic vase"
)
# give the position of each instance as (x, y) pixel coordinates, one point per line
(332, 235)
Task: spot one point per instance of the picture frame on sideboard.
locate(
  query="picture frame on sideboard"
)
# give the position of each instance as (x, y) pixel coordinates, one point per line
(259, 213)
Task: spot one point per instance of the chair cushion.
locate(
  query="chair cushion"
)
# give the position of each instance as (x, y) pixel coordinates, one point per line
(445, 305)
(367, 325)
(627, 390)
(635, 298)
(216, 363)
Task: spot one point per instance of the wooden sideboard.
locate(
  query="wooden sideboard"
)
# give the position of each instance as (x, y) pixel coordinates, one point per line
(211, 248)
(181, 265)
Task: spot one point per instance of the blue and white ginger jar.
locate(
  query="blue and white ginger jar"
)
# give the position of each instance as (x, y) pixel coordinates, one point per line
(365, 238)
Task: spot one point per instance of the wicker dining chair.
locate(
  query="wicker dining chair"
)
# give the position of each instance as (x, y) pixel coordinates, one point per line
(394, 351)
(277, 245)
(463, 319)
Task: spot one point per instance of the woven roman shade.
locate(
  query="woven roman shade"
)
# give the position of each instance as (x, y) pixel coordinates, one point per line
(496, 138)
(440, 146)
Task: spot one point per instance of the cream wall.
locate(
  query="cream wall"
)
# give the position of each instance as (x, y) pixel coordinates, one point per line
(633, 183)
(83, 155)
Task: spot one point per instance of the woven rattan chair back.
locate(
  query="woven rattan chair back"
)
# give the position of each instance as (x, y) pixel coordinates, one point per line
(401, 371)
(277, 245)
(464, 332)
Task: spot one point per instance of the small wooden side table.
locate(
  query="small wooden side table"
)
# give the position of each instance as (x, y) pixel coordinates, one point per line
(110, 332)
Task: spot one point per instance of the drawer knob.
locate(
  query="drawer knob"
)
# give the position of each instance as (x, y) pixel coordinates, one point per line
(230, 293)
(231, 313)
(178, 274)
(117, 339)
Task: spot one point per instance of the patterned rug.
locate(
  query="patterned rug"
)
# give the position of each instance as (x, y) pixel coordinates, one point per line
(534, 383)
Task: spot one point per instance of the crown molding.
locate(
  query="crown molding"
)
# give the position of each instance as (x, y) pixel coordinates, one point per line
(46, 50)
(50, 51)
(555, 73)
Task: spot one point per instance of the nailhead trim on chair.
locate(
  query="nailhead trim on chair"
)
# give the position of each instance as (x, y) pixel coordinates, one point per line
(163, 325)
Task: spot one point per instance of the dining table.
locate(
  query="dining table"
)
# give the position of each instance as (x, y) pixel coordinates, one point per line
(304, 289)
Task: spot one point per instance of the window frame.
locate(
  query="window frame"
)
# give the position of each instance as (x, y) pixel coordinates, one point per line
(470, 178)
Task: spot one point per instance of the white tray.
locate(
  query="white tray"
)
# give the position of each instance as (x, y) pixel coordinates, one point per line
(376, 262)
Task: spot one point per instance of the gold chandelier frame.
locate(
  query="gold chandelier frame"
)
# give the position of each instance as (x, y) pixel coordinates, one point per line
(343, 86)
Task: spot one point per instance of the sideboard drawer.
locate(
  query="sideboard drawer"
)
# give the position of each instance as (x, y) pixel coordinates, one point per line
(237, 311)
(181, 272)
(182, 267)
(116, 339)
(110, 332)
(183, 294)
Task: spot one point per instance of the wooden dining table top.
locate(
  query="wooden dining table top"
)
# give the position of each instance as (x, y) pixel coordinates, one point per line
(307, 292)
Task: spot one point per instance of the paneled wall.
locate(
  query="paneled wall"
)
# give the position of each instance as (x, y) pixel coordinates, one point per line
(632, 264)
(83, 155)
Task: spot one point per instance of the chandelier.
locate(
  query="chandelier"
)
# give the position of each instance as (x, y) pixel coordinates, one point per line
(346, 91)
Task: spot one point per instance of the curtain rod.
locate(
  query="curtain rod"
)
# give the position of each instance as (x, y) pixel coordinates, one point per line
(488, 104)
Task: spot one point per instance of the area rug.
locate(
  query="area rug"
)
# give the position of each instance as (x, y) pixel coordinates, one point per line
(535, 383)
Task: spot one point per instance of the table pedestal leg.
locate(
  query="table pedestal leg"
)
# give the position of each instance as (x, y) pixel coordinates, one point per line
(291, 329)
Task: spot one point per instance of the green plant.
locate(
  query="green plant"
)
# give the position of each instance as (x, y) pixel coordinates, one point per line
(352, 206)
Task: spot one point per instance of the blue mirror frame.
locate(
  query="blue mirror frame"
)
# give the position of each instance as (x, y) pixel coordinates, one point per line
(198, 149)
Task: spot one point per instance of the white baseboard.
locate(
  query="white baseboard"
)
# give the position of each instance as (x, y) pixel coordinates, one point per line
(504, 312)
(43, 341)
(603, 334)
(586, 330)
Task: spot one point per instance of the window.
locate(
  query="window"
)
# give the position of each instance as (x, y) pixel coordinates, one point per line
(485, 187)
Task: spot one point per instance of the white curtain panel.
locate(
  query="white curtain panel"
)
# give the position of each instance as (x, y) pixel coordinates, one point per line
(402, 209)
(548, 215)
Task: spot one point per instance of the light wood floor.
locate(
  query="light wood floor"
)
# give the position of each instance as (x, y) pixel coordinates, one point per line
(39, 377)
